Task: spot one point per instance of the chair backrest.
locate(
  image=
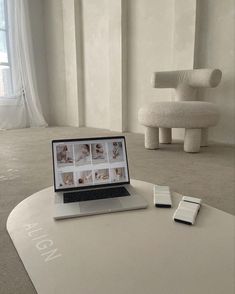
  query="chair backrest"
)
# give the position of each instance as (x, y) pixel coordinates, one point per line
(186, 82)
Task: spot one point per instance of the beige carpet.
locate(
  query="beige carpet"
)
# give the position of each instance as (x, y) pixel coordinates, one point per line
(26, 168)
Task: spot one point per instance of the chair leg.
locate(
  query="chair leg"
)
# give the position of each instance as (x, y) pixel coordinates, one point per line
(165, 135)
(151, 138)
(204, 138)
(192, 140)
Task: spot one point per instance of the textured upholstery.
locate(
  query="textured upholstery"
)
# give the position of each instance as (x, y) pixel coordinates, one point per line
(186, 82)
(182, 114)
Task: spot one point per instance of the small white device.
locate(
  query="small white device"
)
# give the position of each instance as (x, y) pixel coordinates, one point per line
(187, 210)
(161, 196)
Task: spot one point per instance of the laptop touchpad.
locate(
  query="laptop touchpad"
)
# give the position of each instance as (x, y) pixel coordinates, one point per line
(100, 205)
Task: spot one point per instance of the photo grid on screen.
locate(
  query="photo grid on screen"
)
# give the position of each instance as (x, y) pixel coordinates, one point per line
(91, 162)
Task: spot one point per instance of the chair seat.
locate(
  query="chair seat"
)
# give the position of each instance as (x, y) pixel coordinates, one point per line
(179, 114)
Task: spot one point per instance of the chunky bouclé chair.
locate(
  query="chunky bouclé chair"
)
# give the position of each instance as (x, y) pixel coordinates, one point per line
(184, 112)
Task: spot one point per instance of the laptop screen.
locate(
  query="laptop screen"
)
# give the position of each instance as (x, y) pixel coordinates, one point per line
(81, 163)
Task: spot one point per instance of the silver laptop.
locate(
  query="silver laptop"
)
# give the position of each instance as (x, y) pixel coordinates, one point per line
(91, 176)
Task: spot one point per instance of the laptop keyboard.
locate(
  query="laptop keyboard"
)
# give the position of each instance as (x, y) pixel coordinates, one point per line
(95, 194)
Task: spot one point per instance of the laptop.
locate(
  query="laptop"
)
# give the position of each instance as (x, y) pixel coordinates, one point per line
(91, 176)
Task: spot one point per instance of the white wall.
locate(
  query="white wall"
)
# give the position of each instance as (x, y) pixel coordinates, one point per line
(96, 62)
(118, 65)
(147, 42)
(160, 36)
(150, 41)
(215, 49)
(54, 35)
(184, 34)
(38, 38)
(72, 27)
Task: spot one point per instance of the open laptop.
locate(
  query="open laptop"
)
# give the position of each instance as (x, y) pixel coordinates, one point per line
(91, 176)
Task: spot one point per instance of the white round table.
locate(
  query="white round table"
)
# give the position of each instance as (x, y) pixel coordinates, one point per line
(139, 251)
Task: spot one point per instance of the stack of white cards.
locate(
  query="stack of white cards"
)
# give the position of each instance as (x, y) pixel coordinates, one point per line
(162, 196)
(187, 210)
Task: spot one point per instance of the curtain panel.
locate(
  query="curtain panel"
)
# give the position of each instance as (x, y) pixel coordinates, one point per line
(22, 108)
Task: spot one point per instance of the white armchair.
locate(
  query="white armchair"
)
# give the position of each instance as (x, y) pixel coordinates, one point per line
(184, 112)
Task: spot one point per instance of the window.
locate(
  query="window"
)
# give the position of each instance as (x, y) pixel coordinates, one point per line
(5, 62)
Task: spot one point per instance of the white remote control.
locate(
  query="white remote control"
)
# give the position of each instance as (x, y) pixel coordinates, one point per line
(187, 210)
(161, 196)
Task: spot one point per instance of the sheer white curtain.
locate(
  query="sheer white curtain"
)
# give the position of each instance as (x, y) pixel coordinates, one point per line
(22, 108)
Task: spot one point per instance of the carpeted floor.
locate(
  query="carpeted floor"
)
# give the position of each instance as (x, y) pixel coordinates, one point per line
(26, 168)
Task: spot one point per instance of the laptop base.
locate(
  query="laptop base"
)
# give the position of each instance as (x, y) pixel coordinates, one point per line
(84, 208)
